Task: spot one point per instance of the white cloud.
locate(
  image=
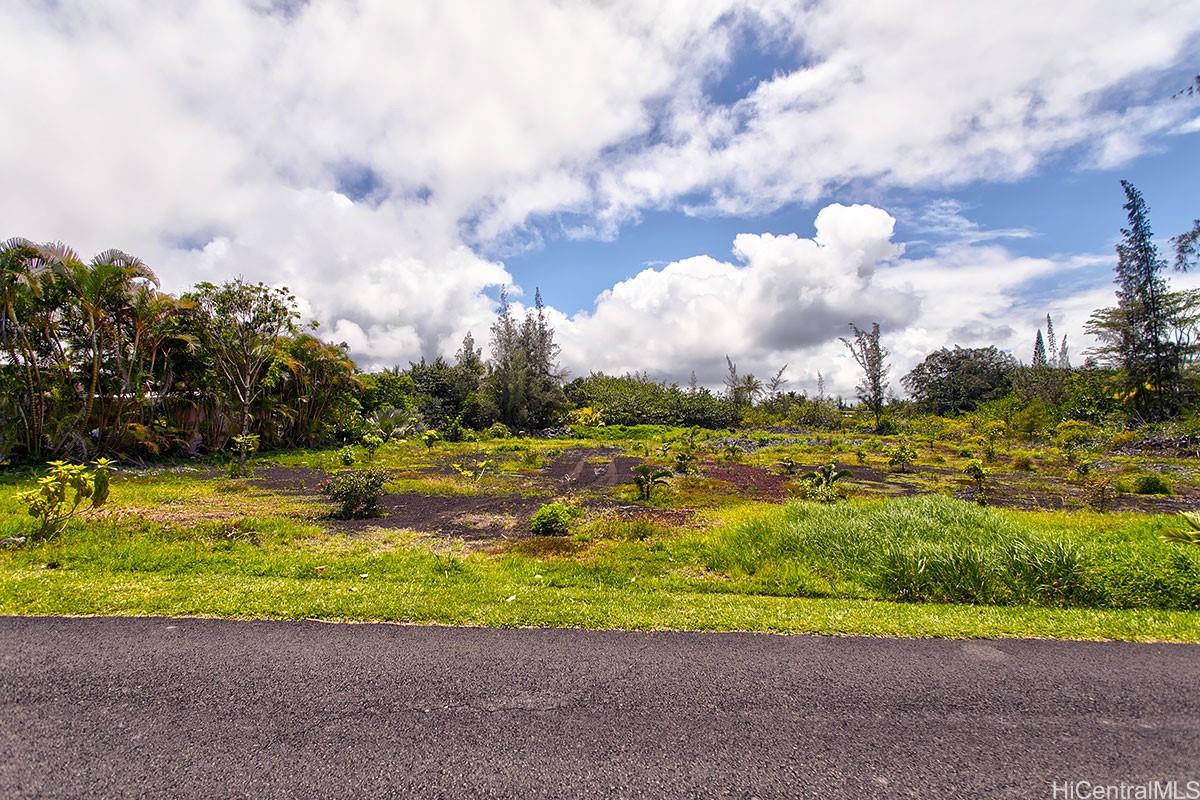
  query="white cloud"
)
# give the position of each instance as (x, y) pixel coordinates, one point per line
(228, 137)
(789, 299)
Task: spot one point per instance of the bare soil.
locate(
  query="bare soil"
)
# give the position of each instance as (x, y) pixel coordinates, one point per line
(586, 476)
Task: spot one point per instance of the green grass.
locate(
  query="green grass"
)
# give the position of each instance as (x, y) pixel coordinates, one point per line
(177, 544)
(932, 548)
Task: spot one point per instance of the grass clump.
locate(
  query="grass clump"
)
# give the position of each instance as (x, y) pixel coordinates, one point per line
(938, 549)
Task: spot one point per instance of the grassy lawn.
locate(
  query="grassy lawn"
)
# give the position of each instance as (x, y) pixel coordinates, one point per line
(192, 542)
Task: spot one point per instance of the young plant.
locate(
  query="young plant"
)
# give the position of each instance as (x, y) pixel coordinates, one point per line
(346, 456)
(822, 483)
(732, 452)
(430, 438)
(788, 465)
(978, 475)
(477, 472)
(371, 442)
(646, 477)
(683, 462)
(1098, 493)
(357, 492)
(243, 445)
(65, 491)
(901, 455)
(991, 432)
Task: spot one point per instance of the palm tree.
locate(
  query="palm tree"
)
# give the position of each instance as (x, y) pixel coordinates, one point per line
(102, 289)
(23, 268)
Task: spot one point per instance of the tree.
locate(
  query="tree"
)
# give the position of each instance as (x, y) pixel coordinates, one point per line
(240, 325)
(948, 380)
(1146, 334)
(1187, 248)
(525, 381)
(742, 390)
(872, 358)
(1039, 351)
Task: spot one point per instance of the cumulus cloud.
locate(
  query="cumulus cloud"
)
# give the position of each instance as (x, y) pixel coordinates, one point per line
(377, 157)
(788, 300)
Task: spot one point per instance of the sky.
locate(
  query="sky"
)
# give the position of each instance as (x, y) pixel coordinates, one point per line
(682, 180)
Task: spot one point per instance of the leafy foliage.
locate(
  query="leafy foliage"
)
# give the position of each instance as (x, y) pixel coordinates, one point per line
(960, 379)
(637, 400)
(65, 491)
(357, 492)
(821, 483)
(553, 519)
(901, 455)
(646, 477)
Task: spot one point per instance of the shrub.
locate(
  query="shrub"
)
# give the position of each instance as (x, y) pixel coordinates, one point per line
(243, 445)
(346, 456)
(1123, 439)
(65, 491)
(357, 492)
(371, 443)
(553, 519)
(901, 455)
(497, 430)
(1151, 484)
(430, 438)
(978, 475)
(587, 416)
(1098, 494)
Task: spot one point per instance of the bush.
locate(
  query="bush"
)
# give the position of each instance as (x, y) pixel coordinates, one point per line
(357, 492)
(497, 430)
(63, 492)
(346, 456)
(1151, 484)
(553, 519)
(901, 456)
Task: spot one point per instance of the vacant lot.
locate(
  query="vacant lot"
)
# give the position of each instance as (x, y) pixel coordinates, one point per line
(730, 540)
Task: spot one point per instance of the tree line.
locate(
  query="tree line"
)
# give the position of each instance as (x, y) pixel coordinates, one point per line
(95, 359)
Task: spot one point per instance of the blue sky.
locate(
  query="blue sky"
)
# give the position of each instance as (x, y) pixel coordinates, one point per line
(684, 180)
(1067, 206)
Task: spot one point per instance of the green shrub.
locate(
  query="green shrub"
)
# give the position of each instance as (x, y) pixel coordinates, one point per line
(346, 456)
(65, 491)
(371, 443)
(497, 430)
(1151, 484)
(357, 492)
(901, 455)
(646, 477)
(553, 519)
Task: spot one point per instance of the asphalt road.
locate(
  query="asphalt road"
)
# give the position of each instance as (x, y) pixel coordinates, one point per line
(201, 708)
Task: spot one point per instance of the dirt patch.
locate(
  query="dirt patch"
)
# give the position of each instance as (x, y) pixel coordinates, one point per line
(290, 480)
(579, 470)
(752, 481)
(485, 516)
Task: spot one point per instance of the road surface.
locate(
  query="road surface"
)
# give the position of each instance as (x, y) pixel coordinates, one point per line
(205, 708)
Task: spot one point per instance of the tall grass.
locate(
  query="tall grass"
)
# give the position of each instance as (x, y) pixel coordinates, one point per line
(939, 549)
